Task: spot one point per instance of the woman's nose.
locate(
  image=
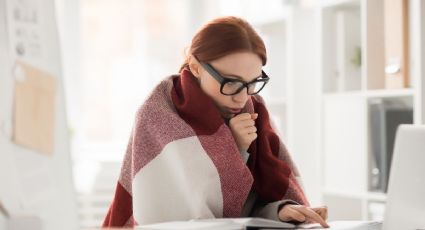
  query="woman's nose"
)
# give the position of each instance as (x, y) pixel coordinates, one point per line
(241, 97)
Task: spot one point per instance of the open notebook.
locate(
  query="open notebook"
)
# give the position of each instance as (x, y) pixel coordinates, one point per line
(220, 223)
(254, 223)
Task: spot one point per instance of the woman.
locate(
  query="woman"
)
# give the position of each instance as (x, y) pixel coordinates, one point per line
(203, 146)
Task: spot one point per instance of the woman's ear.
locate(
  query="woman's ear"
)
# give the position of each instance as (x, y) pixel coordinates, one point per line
(194, 67)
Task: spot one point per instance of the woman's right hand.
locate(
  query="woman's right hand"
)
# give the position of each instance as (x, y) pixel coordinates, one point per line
(243, 129)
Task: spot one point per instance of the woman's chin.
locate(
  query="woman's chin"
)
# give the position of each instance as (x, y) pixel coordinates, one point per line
(227, 115)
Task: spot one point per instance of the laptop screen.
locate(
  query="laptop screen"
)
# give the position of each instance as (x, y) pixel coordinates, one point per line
(406, 192)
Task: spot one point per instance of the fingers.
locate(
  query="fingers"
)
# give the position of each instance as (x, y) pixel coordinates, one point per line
(242, 116)
(251, 129)
(252, 136)
(296, 215)
(245, 116)
(243, 123)
(243, 129)
(322, 211)
(246, 130)
(310, 214)
(301, 213)
(249, 132)
(243, 120)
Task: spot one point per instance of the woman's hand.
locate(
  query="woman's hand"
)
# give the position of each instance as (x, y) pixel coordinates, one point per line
(301, 213)
(243, 129)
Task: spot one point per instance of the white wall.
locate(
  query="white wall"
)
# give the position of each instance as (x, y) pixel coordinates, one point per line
(303, 100)
(2, 222)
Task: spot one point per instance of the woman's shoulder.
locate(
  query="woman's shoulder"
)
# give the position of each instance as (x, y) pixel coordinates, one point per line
(160, 92)
(158, 103)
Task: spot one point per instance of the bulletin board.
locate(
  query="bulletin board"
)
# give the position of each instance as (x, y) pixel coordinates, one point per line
(35, 163)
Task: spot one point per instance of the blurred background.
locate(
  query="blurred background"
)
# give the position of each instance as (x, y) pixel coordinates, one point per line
(344, 74)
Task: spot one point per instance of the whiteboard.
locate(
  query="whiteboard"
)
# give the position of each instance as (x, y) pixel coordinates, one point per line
(33, 183)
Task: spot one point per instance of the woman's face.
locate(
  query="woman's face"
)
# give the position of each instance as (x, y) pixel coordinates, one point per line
(245, 66)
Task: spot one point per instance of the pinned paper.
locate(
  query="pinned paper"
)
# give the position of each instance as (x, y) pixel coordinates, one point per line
(34, 109)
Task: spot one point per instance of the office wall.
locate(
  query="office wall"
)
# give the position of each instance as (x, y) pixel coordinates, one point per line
(2, 222)
(33, 183)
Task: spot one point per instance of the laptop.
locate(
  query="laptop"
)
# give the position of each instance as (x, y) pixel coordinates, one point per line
(405, 207)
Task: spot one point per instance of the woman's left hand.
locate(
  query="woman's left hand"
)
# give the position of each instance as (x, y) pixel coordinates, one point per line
(302, 213)
(322, 211)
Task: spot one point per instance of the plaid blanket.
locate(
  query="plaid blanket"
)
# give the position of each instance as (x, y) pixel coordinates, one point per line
(183, 163)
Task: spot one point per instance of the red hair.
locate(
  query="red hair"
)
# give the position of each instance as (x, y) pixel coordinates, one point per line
(223, 36)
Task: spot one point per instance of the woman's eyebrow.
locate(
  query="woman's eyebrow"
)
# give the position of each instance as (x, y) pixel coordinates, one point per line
(238, 77)
(233, 75)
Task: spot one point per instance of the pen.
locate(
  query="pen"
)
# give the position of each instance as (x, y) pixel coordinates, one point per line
(3, 210)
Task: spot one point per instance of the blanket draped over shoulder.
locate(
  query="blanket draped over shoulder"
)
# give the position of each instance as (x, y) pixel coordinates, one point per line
(183, 163)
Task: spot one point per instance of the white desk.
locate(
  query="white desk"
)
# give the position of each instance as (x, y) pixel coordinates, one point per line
(347, 225)
(335, 225)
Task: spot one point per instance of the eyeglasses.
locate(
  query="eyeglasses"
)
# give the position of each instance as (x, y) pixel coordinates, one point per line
(234, 86)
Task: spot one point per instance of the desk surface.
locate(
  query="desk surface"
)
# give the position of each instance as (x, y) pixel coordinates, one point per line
(335, 225)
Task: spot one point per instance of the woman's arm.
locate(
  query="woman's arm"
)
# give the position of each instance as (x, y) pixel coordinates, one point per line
(270, 210)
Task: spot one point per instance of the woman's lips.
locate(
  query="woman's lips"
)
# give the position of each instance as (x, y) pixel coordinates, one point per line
(234, 110)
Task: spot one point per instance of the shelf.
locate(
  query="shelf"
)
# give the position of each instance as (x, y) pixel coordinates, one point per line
(342, 47)
(343, 94)
(340, 3)
(377, 196)
(360, 113)
(381, 93)
(342, 193)
(385, 93)
(371, 196)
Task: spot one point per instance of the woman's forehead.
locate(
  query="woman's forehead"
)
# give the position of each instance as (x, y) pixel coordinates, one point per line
(245, 65)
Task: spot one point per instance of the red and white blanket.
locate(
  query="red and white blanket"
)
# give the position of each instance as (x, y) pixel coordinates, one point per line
(182, 161)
